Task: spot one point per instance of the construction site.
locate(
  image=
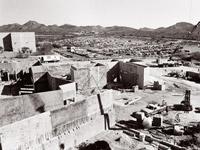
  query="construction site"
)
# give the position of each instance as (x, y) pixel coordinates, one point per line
(91, 102)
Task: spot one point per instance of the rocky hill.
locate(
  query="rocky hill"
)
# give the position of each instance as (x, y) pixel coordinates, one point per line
(179, 30)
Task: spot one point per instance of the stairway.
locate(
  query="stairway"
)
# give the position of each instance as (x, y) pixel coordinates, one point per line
(27, 86)
(26, 89)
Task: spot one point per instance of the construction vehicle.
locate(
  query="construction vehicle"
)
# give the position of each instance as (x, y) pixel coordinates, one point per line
(152, 109)
(185, 105)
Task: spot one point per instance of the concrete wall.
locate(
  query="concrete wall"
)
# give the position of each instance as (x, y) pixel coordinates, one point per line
(54, 82)
(82, 109)
(7, 67)
(68, 114)
(113, 72)
(11, 110)
(7, 42)
(146, 76)
(129, 73)
(63, 68)
(84, 119)
(41, 85)
(11, 66)
(81, 77)
(79, 132)
(68, 91)
(14, 41)
(51, 100)
(98, 76)
(133, 74)
(27, 133)
(19, 107)
(87, 129)
(90, 77)
(2, 35)
(58, 69)
(23, 39)
(45, 82)
(70, 125)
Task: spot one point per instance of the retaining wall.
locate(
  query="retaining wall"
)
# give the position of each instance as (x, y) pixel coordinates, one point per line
(70, 125)
(27, 133)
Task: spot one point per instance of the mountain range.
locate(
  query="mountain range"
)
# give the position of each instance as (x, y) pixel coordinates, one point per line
(178, 30)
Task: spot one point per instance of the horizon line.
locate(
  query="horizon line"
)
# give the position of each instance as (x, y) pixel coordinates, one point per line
(95, 25)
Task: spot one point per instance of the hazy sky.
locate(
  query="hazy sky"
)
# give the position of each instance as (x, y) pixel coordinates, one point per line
(132, 13)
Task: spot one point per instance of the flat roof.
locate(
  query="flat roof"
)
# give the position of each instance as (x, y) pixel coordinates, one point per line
(142, 64)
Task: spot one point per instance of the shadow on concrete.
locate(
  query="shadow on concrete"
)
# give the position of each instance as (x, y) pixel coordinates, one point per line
(106, 115)
(131, 124)
(98, 145)
(37, 102)
(11, 89)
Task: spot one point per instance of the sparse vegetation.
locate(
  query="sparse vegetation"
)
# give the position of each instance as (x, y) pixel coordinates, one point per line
(24, 52)
(45, 49)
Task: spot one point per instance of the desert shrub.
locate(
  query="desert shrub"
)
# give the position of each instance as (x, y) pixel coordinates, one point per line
(45, 49)
(24, 52)
(56, 45)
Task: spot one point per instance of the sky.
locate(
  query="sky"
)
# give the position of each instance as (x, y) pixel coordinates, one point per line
(131, 13)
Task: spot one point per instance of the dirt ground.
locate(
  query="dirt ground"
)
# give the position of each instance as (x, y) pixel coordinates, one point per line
(174, 94)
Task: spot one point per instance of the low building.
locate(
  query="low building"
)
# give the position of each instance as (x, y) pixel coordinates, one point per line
(15, 41)
(49, 58)
(168, 63)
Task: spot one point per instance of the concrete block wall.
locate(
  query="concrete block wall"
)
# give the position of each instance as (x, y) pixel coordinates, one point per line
(20, 107)
(11, 110)
(26, 133)
(69, 125)
(74, 121)
(51, 100)
(69, 114)
(84, 119)
(83, 129)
